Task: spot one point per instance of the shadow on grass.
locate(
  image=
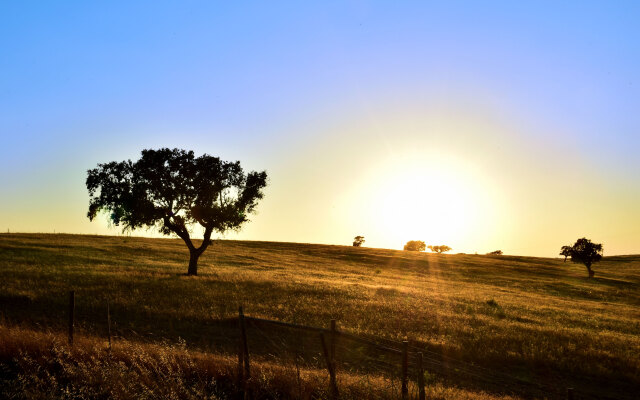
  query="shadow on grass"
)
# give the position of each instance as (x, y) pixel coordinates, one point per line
(287, 345)
(613, 282)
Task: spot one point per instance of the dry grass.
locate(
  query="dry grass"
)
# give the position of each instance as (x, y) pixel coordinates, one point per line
(530, 319)
(43, 367)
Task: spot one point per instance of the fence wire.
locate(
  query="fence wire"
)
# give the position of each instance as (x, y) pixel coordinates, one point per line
(374, 363)
(374, 367)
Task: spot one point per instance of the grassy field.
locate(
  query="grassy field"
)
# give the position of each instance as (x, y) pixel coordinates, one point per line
(514, 323)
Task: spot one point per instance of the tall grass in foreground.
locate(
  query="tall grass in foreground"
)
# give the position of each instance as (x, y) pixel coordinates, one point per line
(36, 365)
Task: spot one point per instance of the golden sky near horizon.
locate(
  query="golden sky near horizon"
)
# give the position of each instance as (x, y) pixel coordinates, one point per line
(446, 176)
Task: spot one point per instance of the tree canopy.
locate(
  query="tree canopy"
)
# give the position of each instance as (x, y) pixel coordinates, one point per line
(415, 245)
(172, 190)
(586, 252)
(439, 249)
(566, 252)
(358, 241)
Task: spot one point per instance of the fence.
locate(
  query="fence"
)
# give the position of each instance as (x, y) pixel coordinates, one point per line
(399, 366)
(333, 350)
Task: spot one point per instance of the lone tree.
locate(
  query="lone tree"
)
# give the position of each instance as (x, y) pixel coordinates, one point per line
(415, 245)
(439, 249)
(585, 252)
(566, 252)
(358, 241)
(495, 253)
(172, 190)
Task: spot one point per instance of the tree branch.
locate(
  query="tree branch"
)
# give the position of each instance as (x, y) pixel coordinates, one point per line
(206, 240)
(181, 231)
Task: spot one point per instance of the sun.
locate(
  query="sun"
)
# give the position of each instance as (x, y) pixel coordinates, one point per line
(434, 199)
(423, 206)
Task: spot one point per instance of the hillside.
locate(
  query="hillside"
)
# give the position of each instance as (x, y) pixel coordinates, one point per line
(522, 326)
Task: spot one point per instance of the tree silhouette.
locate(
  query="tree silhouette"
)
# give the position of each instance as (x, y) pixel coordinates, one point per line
(358, 241)
(415, 245)
(566, 252)
(495, 253)
(439, 249)
(172, 190)
(585, 252)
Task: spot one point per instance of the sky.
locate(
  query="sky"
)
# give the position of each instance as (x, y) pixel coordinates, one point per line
(482, 125)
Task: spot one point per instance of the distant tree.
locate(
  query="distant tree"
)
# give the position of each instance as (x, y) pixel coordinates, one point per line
(415, 245)
(172, 190)
(495, 253)
(439, 249)
(566, 252)
(585, 252)
(358, 241)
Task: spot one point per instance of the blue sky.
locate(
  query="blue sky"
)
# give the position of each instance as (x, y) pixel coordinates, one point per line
(279, 84)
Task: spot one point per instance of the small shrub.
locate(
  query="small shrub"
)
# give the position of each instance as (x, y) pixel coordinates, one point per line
(496, 310)
(492, 303)
(439, 249)
(415, 245)
(358, 241)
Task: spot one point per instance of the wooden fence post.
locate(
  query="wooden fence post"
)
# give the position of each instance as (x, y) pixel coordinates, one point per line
(421, 392)
(72, 309)
(240, 359)
(330, 367)
(405, 368)
(245, 345)
(569, 393)
(241, 382)
(332, 342)
(109, 325)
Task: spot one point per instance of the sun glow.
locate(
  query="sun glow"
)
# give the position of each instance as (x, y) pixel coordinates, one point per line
(430, 198)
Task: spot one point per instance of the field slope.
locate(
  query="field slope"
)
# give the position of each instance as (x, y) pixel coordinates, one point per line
(499, 325)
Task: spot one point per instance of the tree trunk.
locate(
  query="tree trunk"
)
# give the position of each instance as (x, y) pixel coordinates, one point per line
(591, 272)
(193, 262)
(194, 252)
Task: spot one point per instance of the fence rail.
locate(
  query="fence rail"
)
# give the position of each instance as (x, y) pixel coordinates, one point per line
(401, 361)
(403, 365)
